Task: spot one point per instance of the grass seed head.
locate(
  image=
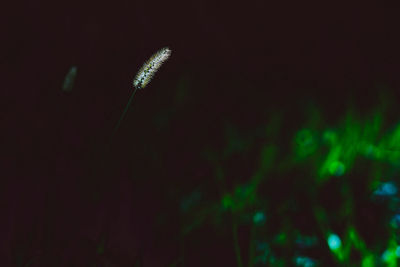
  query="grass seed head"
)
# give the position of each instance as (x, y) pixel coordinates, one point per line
(150, 67)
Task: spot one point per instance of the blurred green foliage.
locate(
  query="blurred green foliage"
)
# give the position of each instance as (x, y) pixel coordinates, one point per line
(284, 191)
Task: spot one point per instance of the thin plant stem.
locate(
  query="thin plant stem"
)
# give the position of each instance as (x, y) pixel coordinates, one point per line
(123, 113)
(183, 250)
(222, 184)
(236, 244)
(107, 149)
(251, 246)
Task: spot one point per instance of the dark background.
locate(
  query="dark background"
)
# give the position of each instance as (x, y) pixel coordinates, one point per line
(232, 63)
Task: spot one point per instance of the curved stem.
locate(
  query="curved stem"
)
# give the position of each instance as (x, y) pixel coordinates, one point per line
(123, 113)
(236, 243)
(251, 246)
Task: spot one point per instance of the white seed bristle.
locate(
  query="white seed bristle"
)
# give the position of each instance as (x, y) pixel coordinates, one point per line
(150, 67)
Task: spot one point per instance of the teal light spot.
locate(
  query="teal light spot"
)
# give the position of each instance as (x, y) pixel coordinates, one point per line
(306, 241)
(398, 252)
(389, 189)
(389, 255)
(259, 218)
(395, 221)
(336, 168)
(386, 189)
(304, 261)
(263, 252)
(334, 242)
(261, 246)
(386, 256)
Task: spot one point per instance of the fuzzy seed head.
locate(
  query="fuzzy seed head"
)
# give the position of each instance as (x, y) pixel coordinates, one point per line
(150, 67)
